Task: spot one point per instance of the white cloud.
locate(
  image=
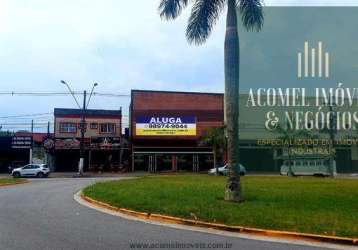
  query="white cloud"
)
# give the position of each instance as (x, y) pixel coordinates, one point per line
(120, 44)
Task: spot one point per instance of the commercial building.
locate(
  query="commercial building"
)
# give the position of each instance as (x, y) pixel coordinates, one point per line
(12, 153)
(103, 140)
(165, 129)
(20, 148)
(157, 146)
(252, 129)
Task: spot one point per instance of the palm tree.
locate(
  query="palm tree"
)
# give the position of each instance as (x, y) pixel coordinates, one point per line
(215, 137)
(203, 17)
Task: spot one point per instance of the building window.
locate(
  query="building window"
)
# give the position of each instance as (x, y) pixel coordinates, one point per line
(67, 127)
(94, 125)
(108, 128)
(79, 125)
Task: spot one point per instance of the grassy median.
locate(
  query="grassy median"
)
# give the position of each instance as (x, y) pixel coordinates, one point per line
(10, 181)
(310, 205)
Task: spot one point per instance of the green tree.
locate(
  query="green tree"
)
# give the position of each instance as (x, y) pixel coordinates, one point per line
(215, 137)
(6, 133)
(203, 17)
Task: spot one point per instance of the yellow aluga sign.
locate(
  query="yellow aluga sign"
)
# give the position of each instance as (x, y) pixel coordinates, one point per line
(165, 126)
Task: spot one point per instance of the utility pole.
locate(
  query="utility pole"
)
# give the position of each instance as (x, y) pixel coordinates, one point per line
(32, 139)
(82, 123)
(121, 141)
(47, 154)
(83, 130)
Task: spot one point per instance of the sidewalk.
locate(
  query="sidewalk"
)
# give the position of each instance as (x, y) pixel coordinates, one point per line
(95, 174)
(348, 176)
(86, 174)
(109, 174)
(2, 175)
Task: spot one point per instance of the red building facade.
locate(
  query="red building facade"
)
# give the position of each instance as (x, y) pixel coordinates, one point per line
(165, 129)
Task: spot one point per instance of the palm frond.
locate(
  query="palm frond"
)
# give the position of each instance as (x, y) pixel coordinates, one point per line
(251, 14)
(202, 19)
(171, 9)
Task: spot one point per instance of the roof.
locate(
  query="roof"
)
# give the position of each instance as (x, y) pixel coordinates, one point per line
(176, 92)
(94, 112)
(37, 137)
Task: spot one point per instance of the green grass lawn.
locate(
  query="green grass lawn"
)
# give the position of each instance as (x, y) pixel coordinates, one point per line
(8, 181)
(310, 205)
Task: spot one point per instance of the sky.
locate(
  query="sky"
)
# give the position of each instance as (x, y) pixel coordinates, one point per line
(119, 44)
(274, 50)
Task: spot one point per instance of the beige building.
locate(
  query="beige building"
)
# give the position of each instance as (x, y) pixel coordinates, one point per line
(102, 140)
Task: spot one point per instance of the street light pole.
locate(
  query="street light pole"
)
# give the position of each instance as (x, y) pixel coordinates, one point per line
(83, 130)
(82, 123)
(32, 140)
(89, 99)
(71, 92)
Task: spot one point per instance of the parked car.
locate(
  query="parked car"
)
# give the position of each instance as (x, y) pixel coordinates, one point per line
(315, 167)
(38, 170)
(13, 165)
(224, 170)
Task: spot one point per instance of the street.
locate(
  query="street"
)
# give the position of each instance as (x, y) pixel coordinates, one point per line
(44, 215)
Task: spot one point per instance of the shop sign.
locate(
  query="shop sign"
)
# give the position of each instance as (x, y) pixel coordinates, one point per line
(67, 144)
(106, 142)
(49, 144)
(21, 142)
(166, 126)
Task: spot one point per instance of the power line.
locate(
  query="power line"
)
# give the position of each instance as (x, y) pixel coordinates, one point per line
(43, 94)
(43, 122)
(38, 116)
(25, 115)
(110, 95)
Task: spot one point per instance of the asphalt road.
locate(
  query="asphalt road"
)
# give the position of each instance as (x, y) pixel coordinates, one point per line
(44, 215)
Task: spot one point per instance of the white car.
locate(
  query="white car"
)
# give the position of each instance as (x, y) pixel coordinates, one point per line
(38, 170)
(224, 170)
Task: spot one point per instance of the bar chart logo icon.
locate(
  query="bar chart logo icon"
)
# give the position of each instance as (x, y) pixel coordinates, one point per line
(313, 62)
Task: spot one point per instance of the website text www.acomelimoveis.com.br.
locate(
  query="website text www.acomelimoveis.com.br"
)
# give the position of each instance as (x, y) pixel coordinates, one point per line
(181, 245)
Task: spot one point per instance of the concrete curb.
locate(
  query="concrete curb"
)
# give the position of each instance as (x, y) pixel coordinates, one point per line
(234, 229)
(14, 184)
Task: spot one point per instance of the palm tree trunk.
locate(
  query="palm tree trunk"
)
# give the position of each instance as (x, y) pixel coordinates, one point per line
(290, 172)
(215, 164)
(232, 61)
